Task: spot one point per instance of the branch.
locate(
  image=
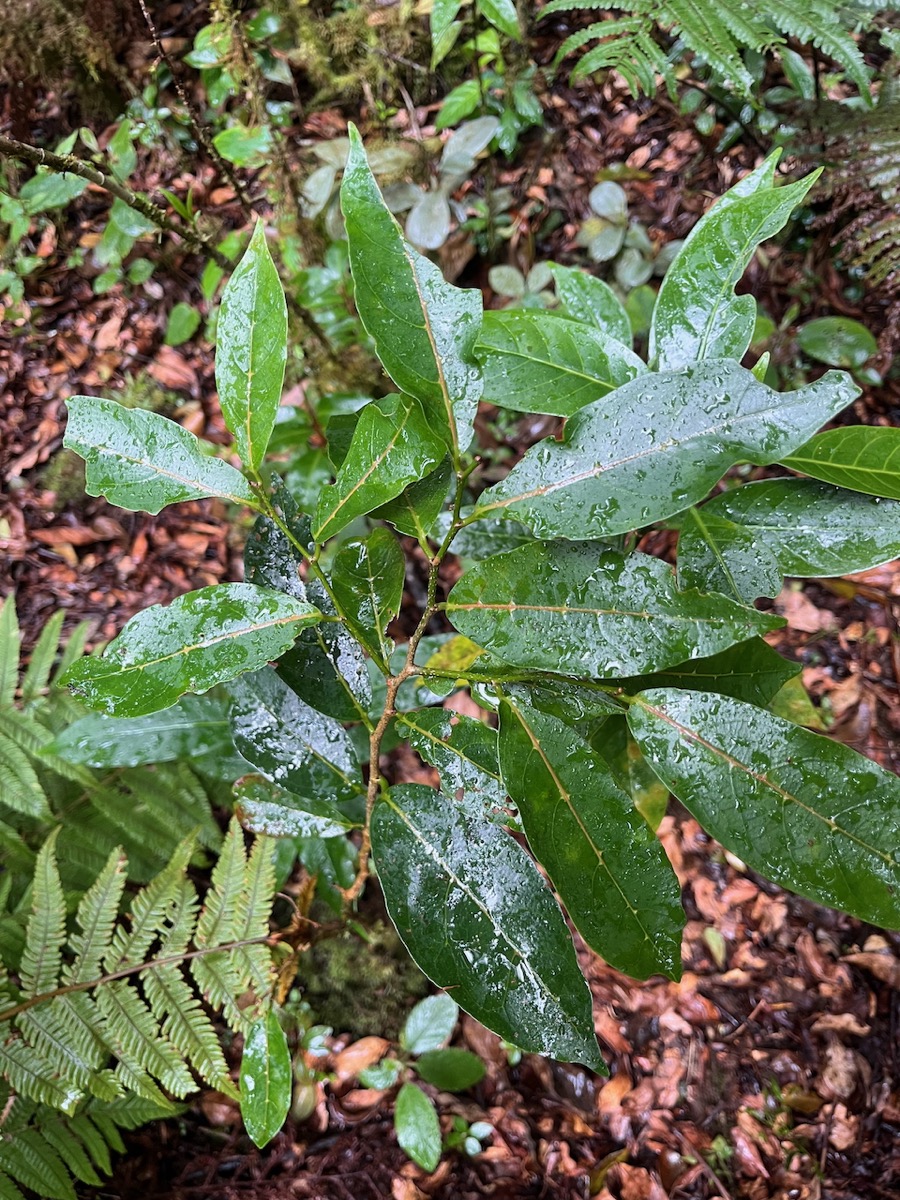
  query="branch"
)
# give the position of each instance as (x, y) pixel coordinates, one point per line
(200, 131)
(68, 164)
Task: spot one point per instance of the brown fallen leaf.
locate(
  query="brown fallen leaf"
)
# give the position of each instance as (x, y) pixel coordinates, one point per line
(883, 966)
(355, 1058)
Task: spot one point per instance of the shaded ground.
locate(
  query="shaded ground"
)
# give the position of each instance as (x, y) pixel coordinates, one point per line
(771, 1069)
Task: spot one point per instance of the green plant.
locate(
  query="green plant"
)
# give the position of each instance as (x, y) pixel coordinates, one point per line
(424, 1052)
(716, 34)
(609, 236)
(578, 642)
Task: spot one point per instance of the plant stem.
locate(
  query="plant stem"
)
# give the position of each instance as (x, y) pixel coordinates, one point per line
(69, 164)
(376, 782)
(200, 131)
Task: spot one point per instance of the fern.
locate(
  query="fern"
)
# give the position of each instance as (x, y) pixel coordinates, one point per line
(117, 1008)
(717, 34)
(861, 149)
(147, 811)
(44, 1150)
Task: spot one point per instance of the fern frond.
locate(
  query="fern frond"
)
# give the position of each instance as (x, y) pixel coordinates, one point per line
(43, 656)
(10, 646)
(20, 788)
(35, 1140)
(717, 34)
(124, 993)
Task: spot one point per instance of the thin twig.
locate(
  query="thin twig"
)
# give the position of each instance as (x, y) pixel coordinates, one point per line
(200, 131)
(69, 164)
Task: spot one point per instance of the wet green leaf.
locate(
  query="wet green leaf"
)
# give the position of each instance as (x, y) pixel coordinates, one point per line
(430, 1024)
(194, 726)
(424, 329)
(367, 578)
(418, 506)
(266, 1079)
(292, 744)
(837, 341)
(716, 555)
(806, 811)
(393, 445)
(857, 457)
(605, 862)
(697, 314)
(264, 807)
(581, 609)
(631, 771)
(464, 751)
(592, 301)
(539, 362)
(251, 349)
(142, 461)
(504, 948)
(813, 530)
(502, 15)
(417, 1126)
(200, 639)
(792, 702)
(325, 666)
(750, 671)
(451, 1070)
(657, 445)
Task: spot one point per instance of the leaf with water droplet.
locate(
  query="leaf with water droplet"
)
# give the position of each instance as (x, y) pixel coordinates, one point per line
(805, 811)
(292, 744)
(424, 329)
(464, 750)
(392, 446)
(657, 445)
(367, 579)
(504, 949)
(263, 807)
(606, 863)
(200, 639)
(251, 349)
(142, 461)
(581, 609)
(266, 1079)
(591, 301)
(697, 315)
(540, 362)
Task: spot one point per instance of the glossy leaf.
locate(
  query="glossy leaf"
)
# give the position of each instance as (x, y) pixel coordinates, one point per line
(502, 15)
(424, 329)
(290, 743)
(417, 1126)
(464, 752)
(393, 445)
(418, 506)
(858, 457)
(812, 529)
(430, 1025)
(263, 807)
(200, 639)
(631, 771)
(451, 1070)
(657, 445)
(539, 362)
(837, 341)
(193, 727)
(592, 301)
(325, 666)
(367, 578)
(804, 810)
(697, 315)
(584, 610)
(142, 461)
(606, 864)
(716, 555)
(503, 947)
(251, 349)
(750, 671)
(266, 1079)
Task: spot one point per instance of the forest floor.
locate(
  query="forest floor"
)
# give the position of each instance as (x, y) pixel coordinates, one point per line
(772, 1069)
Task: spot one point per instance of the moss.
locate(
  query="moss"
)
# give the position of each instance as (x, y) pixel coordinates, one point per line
(362, 988)
(142, 391)
(64, 476)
